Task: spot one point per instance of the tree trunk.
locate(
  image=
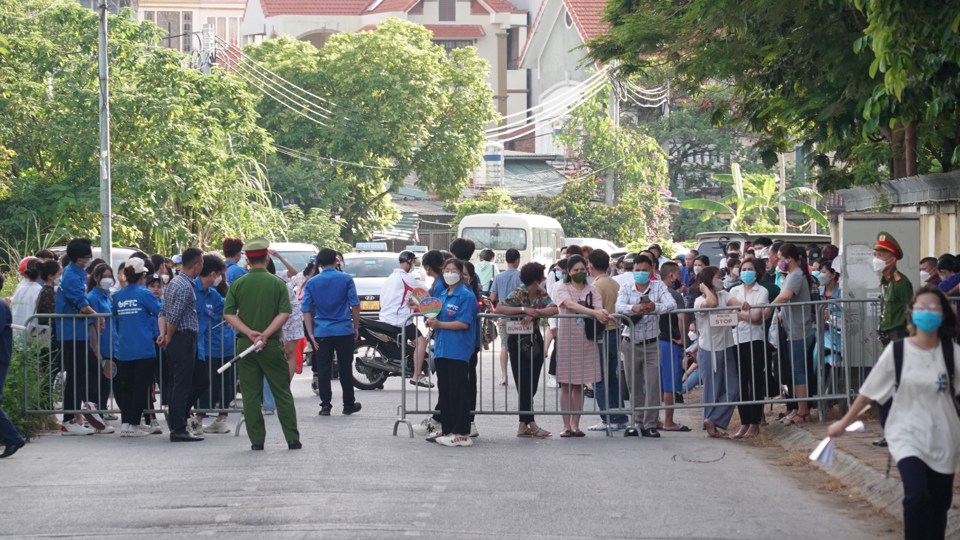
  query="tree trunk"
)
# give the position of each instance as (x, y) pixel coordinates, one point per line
(895, 136)
(910, 148)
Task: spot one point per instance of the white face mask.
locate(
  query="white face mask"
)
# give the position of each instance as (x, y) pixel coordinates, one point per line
(697, 269)
(924, 275)
(692, 335)
(218, 281)
(451, 278)
(106, 283)
(879, 264)
(165, 278)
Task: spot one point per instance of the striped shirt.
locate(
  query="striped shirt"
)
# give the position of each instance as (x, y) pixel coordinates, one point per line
(180, 304)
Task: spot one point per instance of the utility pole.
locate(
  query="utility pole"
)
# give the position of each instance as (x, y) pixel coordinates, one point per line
(783, 188)
(611, 174)
(207, 49)
(106, 210)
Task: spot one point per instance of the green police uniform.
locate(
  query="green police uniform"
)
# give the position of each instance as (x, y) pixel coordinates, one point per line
(897, 293)
(257, 298)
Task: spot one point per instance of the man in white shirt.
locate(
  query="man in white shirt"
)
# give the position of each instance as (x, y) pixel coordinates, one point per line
(396, 306)
(641, 353)
(626, 278)
(657, 252)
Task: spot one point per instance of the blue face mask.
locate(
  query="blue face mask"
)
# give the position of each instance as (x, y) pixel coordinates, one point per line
(927, 321)
(559, 275)
(816, 275)
(748, 277)
(642, 278)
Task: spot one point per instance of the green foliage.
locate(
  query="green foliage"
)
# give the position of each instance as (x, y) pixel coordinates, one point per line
(488, 203)
(317, 228)
(398, 105)
(23, 380)
(185, 146)
(640, 166)
(799, 74)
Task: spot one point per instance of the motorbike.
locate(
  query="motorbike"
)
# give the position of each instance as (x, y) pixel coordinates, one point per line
(378, 355)
(488, 326)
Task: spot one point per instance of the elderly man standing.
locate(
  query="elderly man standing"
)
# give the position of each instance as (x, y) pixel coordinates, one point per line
(178, 335)
(257, 305)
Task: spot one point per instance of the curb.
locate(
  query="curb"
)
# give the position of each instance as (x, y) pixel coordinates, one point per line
(884, 494)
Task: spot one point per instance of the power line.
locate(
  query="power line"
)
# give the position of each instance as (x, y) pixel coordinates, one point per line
(551, 111)
(562, 95)
(303, 156)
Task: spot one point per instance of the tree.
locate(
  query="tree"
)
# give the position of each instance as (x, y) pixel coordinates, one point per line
(315, 228)
(490, 202)
(795, 74)
(185, 146)
(398, 105)
(753, 205)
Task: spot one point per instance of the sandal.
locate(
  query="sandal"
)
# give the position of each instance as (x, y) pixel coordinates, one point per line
(796, 419)
(579, 433)
(539, 433)
(524, 434)
(740, 432)
(680, 427)
(565, 434)
(421, 383)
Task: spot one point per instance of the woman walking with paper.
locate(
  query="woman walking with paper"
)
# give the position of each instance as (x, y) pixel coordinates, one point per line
(923, 427)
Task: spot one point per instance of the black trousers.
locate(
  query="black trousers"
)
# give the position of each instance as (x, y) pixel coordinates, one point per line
(342, 346)
(132, 388)
(751, 360)
(83, 376)
(453, 386)
(200, 384)
(181, 360)
(927, 496)
(472, 387)
(223, 387)
(526, 370)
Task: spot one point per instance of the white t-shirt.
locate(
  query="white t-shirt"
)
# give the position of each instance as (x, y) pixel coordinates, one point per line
(713, 339)
(23, 304)
(393, 297)
(922, 422)
(746, 331)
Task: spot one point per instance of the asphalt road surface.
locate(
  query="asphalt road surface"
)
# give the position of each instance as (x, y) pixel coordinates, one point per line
(354, 479)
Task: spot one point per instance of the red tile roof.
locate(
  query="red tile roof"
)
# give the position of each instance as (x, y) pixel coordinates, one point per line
(502, 6)
(588, 15)
(273, 8)
(393, 6)
(459, 31)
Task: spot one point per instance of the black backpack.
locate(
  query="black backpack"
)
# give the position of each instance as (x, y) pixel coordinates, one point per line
(947, 346)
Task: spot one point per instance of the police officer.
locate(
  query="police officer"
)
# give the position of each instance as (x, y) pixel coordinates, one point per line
(257, 305)
(897, 295)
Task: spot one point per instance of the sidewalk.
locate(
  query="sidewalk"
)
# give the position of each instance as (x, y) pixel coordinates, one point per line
(859, 465)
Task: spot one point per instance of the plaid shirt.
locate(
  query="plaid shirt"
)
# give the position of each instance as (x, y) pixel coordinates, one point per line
(180, 304)
(648, 327)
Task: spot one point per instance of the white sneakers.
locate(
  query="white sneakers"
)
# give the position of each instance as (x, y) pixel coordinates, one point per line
(473, 430)
(194, 426)
(95, 419)
(129, 430)
(107, 430)
(455, 440)
(217, 426)
(153, 429)
(74, 428)
(426, 427)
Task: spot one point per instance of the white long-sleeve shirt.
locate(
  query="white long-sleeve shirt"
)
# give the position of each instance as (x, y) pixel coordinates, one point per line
(397, 289)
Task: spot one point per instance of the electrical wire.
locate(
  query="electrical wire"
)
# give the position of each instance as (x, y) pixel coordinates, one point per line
(526, 129)
(303, 156)
(551, 111)
(589, 80)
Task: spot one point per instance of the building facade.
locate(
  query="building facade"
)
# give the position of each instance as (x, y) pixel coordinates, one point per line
(184, 20)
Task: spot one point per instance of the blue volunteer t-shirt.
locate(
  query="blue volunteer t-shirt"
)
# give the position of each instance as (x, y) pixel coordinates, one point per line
(328, 297)
(135, 312)
(234, 272)
(100, 302)
(459, 305)
(71, 298)
(215, 340)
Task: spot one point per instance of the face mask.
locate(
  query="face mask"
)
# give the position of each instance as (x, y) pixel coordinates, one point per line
(735, 272)
(559, 275)
(218, 281)
(748, 277)
(782, 265)
(106, 283)
(692, 335)
(927, 321)
(697, 269)
(641, 278)
(451, 278)
(717, 285)
(579, 277)
(816, 275)
(879, 264)
(924, 275)
(824, 279)
(165, 278)
(764, 253)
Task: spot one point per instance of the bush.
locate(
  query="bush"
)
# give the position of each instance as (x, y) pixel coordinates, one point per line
(23, 379)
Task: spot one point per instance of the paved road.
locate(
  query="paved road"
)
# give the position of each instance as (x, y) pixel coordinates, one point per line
(354, 480)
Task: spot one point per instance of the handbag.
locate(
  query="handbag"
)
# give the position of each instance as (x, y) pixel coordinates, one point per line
(589, 323)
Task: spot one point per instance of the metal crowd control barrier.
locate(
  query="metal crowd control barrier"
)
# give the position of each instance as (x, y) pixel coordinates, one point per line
(829, 345)
(68, 374)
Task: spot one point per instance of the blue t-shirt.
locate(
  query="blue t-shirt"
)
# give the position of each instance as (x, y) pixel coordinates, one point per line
(234, 272)
(71, 298)
(100, 302)
(215, 340)
(505, 283)
(459, 305)
(135, 312)
(328, 297)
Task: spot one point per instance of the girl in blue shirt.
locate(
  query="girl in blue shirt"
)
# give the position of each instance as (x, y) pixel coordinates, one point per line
(135, 310)
(454, 343)
(98, 294)
(216, 345)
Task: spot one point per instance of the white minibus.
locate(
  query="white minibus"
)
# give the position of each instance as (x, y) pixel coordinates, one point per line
(537, 238)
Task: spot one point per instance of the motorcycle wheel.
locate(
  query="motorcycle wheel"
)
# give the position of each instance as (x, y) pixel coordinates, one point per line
(364, 377)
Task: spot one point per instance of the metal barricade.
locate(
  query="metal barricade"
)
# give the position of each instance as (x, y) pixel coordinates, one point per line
(811, 355)
(78, 376)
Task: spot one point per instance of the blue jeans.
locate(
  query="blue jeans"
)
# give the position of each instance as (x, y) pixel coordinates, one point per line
(269, 404)
(692, 380)
(720, 384)
(8, 434)
(798, 357)
(607, 391)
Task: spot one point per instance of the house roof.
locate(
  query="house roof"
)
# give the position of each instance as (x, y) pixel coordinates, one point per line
(469, 31)
(587, 17)
(391, 6)
(274, 8)
(502, 6)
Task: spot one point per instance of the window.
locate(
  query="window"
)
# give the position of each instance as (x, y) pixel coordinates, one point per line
(187, 40)
(150, 16)
(513, 48)
(497, 238)
(448, 10)
(451, 44)
(567, 19)
(170, 22)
